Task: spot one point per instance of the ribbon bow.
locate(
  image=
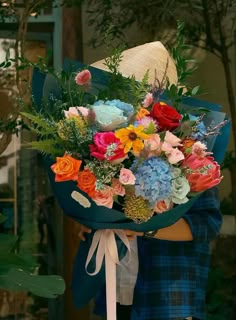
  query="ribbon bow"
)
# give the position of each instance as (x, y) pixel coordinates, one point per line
(105, 243)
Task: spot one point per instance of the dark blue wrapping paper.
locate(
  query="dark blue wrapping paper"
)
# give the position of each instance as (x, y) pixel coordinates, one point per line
(84, 286)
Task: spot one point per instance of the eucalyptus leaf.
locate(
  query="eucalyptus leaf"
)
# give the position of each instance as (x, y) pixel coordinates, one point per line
(43, 286)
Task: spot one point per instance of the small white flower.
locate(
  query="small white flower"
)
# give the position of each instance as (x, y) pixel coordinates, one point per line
(83, 201)
(180, 187)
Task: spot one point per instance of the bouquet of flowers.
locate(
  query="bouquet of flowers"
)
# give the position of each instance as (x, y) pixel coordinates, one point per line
(124, 155)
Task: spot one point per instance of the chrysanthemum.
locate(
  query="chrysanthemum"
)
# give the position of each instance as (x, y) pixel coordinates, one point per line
(131, 138)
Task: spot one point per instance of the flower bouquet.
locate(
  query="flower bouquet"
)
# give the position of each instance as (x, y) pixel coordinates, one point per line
(122, 155)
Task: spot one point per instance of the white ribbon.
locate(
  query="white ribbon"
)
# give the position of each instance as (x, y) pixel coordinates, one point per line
(105, 243)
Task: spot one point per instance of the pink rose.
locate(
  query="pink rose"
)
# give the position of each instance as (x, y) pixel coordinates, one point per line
(106, 147)
(202, 173)
(166, 147)
(104, 197)
(153, 143)
(126, 176)
(172, 139)
(83, 77)
(148, 100)
(117, 188)
(175, 156)
(73, 112)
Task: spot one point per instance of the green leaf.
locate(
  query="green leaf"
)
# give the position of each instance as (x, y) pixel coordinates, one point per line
(195, 90)
(2, 218)
(11, 260)
(2, 64)
(7, 65)
(46, 147)
(7, 55)
(43, 286)
(7, 242)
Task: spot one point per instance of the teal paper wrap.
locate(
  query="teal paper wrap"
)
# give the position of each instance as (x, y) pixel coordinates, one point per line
(84, 286)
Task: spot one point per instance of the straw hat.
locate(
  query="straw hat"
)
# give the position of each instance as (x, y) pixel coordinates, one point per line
(151, 56)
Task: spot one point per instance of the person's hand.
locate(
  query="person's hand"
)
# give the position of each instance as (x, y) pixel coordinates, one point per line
(130, 234)
(82, 231)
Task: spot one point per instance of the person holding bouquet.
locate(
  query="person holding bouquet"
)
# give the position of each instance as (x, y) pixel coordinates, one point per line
(133, 167)
(173, 265)
(166, 275)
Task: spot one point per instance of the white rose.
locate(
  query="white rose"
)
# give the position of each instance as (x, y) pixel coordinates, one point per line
(180, 187)
(109, 117)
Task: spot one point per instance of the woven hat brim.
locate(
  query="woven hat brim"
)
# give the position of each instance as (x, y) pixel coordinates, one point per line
(152, 56)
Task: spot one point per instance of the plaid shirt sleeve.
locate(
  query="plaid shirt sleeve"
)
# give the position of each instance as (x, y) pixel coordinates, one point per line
(204, 218)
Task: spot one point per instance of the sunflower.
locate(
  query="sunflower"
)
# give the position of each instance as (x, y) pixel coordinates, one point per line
(131, 138)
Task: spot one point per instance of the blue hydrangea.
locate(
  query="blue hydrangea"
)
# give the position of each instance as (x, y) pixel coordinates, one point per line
(127, 108)
(153, 179)
(201, 129)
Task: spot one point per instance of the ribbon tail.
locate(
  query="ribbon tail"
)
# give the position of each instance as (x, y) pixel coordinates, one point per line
(110, 267)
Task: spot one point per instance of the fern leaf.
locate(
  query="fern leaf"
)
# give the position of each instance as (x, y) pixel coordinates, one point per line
(40, 122)
(49, 147)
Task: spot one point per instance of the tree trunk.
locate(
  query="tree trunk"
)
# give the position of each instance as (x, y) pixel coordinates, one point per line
(232, 104)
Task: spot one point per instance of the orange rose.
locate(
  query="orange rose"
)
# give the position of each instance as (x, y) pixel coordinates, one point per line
(86, 182)
(142, 113)
(66, 168)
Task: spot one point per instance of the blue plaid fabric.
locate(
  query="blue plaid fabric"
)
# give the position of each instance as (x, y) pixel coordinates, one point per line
(173, 275)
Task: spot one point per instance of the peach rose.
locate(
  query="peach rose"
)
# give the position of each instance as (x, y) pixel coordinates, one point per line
(117, 187)
(86, 182)
(163, 205)
(66, 168)
(104, 197)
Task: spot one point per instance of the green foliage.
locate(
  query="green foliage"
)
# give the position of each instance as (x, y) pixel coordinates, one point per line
(50, 142)
(43, 286)
(229, 160)
(185, 67)
(17, 271)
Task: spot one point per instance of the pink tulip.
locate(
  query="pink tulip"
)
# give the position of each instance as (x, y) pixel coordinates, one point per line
(202, 173)
(148, 100)
(83, 77)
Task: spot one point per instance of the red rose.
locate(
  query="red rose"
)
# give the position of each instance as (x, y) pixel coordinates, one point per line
(166, 116)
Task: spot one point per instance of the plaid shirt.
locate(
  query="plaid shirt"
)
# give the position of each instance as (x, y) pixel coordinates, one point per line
(173, 275)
